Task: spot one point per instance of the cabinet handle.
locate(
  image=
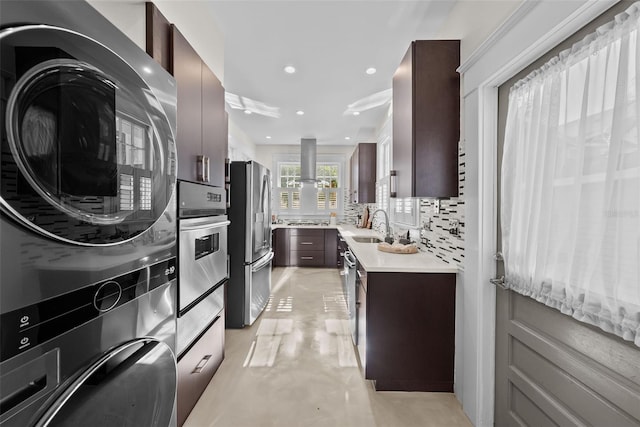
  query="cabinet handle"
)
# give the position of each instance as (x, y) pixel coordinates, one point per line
(306, 243)
(306, 257)
(393, 183)
(203, 168)
(200, 366)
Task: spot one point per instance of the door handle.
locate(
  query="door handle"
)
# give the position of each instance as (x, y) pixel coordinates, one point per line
(200, 366)
(499, 282)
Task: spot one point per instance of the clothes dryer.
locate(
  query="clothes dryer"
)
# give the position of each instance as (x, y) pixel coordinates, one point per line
(87, 198)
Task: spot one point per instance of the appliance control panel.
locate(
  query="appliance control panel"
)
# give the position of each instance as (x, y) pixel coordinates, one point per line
(29, 326)
(200, 200)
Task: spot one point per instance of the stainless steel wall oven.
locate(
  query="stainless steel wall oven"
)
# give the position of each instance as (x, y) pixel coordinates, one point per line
(202, 258)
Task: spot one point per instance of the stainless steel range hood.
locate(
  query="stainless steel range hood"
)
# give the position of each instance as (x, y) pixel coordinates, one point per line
(308, 160)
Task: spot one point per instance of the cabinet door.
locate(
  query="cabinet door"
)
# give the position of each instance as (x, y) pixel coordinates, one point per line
(411, 331)
(331, 248)
(436, 117)
(197, 366)
(187, 70)
(403, 125)
(361, 326)
(367, 172)
(354, 176)
(281, 248)
(214, 129)
(158, 36)
(426, 120)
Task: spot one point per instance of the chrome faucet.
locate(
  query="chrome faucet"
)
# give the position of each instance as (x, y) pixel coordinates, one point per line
(388, 238)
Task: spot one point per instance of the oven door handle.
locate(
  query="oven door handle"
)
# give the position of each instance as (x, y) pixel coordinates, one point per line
(265, 260)
(205, 226)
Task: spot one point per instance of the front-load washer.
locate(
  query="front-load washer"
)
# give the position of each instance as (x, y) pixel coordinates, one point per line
(101, 355)
(87, 180)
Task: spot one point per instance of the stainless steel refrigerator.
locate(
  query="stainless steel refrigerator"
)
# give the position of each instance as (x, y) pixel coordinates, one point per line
(250, 251)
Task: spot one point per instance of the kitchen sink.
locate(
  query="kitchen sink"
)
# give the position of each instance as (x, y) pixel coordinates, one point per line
(366, 239)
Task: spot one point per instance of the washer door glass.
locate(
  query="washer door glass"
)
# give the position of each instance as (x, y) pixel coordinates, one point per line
(134, 385)
(88, 153)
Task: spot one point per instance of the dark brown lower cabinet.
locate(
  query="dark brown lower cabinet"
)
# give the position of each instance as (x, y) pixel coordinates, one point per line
(281, 247)
(408, 329)
(305, 247)
(197, 366)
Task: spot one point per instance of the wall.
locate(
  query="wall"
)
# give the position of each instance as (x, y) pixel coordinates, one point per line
(264, 153)
(241, 147)
(191, 17)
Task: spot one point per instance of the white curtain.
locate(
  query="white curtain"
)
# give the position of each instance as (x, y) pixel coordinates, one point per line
(570, 181)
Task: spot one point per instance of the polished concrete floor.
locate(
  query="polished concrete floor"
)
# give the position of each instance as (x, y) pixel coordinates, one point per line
(296, 366)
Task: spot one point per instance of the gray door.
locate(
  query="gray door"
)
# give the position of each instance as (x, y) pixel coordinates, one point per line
(551, 369)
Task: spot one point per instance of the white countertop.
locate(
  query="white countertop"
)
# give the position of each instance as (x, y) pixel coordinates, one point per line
(374, 260)
(324, 227)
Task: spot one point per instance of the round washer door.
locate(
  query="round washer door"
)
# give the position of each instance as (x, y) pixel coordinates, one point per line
(88, 154)
(134, 385)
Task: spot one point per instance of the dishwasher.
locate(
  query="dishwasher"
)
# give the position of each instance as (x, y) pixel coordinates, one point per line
(349, 281)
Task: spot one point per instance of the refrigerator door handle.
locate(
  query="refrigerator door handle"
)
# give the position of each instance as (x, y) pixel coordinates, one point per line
(263, 261)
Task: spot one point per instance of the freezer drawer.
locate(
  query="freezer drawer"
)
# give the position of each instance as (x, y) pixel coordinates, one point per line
(197, 366)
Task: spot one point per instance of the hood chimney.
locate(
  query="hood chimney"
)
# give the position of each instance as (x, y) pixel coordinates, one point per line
(307, 160)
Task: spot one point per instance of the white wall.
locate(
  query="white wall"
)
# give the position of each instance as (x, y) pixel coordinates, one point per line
(473, 21)
(128, 17)
(241, 147)
(265, 153)
(191, 17)
(534, 28)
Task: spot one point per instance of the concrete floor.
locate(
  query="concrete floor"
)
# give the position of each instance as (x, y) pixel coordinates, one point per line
(296, 366)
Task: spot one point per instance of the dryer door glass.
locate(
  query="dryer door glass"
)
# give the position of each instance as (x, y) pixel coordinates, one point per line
(89, 153)
(134, 385)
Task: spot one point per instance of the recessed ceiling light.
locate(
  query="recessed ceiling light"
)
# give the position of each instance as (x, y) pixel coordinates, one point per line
(247, 111)
(300, 112)
(289, 69)
(268, 137)
(347, 138)
(371, 70)
(356, 113)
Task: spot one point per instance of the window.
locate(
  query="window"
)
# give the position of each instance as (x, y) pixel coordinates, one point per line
(295, 197)
(570, 179)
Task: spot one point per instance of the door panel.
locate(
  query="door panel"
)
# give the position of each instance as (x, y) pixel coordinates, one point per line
(551, 369)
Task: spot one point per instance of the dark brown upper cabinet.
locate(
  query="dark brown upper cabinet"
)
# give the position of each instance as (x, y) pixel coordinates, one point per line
(363, 173)
(202, 131)
(426, 120)
(158, 36)
(202, 121)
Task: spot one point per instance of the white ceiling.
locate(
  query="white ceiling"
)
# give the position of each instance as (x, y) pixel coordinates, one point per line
(331, 44)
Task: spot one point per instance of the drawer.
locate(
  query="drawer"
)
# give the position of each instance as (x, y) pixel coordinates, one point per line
(306, 258)
(306, 242)
(315, 232)
(197, 365)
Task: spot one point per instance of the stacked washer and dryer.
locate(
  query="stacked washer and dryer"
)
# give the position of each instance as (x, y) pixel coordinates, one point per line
(87, 223)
